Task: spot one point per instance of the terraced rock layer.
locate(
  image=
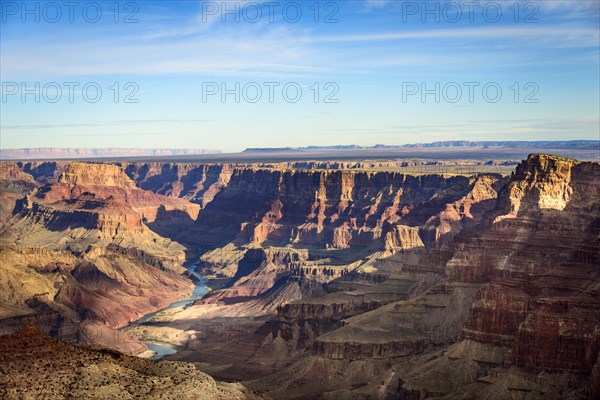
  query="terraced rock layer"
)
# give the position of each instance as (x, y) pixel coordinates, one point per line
(336, 283)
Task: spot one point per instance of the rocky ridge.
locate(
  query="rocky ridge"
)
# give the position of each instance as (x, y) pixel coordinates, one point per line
(35, 366)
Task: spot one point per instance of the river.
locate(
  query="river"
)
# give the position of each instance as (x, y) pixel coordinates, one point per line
(199, 291)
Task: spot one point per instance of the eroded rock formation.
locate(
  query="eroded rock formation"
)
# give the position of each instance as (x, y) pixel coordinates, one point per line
(340, 281)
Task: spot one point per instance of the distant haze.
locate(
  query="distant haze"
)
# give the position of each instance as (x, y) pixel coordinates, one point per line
(78, 153)
(580, 149)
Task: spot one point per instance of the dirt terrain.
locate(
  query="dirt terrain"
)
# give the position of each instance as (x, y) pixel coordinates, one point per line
(35, 366)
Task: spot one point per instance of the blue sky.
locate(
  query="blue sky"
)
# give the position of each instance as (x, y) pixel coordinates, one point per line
(365, 55)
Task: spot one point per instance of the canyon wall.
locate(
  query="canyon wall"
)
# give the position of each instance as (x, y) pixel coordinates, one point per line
(417, 285)
(78, 235)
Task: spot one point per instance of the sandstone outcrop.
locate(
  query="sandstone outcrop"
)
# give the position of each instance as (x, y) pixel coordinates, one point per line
(538, 266)
(403, 237)
(106, 181)
(83, 245)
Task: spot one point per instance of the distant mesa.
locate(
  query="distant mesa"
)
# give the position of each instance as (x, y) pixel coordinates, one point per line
(581, 149)
(559, 144)
(269, 149)
(544, 144)
(344, 147)
(80, 153)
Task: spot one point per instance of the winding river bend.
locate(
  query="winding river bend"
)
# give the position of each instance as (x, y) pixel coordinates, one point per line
(200, 290)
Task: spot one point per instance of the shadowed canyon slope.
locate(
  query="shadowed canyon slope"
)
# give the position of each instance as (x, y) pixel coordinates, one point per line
(328, 281)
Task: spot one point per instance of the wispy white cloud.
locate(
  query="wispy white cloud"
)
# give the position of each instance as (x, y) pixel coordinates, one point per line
(284, 51)
(376, 4)
(553, 36)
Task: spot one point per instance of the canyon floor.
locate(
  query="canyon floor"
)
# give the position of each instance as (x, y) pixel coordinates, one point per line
(461, 278)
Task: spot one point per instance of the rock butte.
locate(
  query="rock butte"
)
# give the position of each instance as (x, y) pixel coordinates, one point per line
(330, 280)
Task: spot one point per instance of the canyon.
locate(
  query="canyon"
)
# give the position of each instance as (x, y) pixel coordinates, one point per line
(384, 279)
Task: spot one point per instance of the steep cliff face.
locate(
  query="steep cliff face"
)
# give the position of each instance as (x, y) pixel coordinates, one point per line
(516, 311)
(109, 182)
(198, 183)
(44, 172)
(546, 272)
(403, 237)
(542, 183)
(541, 256)
(276, 205)
(83, 244)
(595, 385)
(14, 185)
(535, 222)
(106, 215)
(323, 310)
(334, 209)
(85, 174)
(12, 173)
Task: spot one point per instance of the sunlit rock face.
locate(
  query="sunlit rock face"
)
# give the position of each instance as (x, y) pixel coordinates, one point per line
(77, 250)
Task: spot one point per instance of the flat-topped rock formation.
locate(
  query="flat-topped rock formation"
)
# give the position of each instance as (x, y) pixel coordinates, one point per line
(80, 153)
